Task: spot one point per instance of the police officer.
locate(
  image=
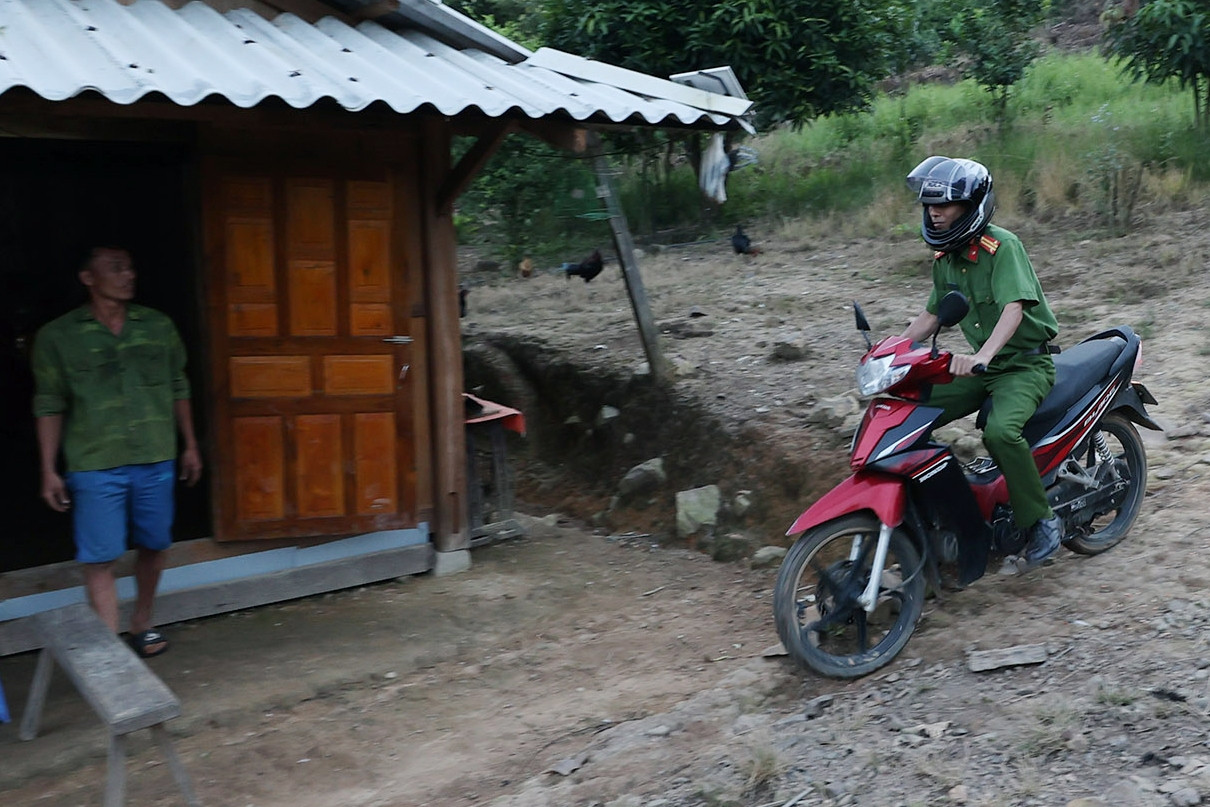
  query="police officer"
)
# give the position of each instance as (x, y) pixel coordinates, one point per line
(1008, 327)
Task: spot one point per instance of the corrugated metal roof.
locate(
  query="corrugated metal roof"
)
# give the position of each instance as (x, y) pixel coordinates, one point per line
(60, 49)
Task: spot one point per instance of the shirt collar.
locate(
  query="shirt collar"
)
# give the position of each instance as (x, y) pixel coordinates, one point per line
(84, 313)
(971, 250)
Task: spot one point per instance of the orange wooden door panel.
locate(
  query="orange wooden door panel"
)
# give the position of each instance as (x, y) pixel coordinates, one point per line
(316, 414)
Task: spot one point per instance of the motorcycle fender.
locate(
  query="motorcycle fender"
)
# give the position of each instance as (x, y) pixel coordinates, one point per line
(885, 495)
(1131, 399)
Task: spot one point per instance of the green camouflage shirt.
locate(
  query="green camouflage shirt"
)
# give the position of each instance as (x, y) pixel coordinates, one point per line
(115, 393)
(993, 271)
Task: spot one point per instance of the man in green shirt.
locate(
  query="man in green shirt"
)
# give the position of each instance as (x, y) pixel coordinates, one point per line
(1009, 328)
(110, 393)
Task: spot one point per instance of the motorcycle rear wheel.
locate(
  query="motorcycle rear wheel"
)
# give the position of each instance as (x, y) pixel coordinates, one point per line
(814, 602)
(1130, 463)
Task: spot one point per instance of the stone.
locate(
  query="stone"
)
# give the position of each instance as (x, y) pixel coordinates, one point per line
(958, 794)
(682, 367)
(833, 413)
(1125, 794)
(1186, 797)
(767, 557)
(642, 479)
(568, 765)
(696, 508)
(727, 548)
(982, 660)
(607, 414)
(742, 503)
(788, 350)
(816, 706)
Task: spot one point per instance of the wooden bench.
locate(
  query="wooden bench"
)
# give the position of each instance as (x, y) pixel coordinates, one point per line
(123, 691)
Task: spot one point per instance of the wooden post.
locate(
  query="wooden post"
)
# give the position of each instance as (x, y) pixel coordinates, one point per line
(622, 240)
(445, 343)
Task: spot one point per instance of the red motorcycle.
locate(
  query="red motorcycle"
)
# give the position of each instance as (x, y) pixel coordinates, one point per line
(852, 587)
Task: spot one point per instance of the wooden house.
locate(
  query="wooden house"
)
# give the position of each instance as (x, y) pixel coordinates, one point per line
(282, 172)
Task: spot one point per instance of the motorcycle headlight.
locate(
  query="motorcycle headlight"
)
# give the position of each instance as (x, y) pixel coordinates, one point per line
(877, 375)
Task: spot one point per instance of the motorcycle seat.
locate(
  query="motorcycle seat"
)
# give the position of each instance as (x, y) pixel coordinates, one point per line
(1077, 370)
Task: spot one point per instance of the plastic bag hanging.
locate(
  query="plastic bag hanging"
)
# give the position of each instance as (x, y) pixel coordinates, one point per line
(712, 176)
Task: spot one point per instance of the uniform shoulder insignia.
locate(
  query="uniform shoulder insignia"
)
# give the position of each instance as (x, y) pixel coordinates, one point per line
(938, 255)
(989, 244)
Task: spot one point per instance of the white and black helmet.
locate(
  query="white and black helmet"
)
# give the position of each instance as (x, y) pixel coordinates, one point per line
(940, 180)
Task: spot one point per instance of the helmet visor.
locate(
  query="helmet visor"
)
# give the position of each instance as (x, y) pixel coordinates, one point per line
(940, 180)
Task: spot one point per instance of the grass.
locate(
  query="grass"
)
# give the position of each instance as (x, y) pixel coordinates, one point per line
(1115, 697)
(1055, 722)
(762, 768)
(1077, 127)
(1084, 146)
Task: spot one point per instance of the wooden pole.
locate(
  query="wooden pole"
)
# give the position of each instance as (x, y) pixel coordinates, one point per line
(445, 344)
(608, 192)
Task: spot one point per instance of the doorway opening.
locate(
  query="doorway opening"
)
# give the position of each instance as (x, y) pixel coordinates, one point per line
(56, 199)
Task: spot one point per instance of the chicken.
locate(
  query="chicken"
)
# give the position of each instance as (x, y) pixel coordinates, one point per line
(526, 267)
(742, 244)
(588, 268)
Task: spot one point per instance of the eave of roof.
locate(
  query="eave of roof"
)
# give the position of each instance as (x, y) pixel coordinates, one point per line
(60, 49)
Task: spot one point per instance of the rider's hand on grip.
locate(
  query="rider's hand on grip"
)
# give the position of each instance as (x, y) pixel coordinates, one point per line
(962, 364)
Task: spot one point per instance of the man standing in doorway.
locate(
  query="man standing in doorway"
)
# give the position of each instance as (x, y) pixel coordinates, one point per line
(111, 392)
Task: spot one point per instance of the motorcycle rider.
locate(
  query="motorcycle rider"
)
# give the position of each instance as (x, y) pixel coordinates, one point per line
(1009, 328)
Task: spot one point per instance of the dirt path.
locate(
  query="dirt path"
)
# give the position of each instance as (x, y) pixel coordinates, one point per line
(638, 670)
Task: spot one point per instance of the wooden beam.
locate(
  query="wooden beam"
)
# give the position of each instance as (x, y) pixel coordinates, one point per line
(20, 635)
(448, 431)
(648, 334)
(563, 135)
(376, 10)
(472, 162)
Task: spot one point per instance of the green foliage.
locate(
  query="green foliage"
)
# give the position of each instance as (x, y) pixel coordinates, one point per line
(1084, 141)
(797, 59)
(529, 200)
(1168, 40)
(919, 32)
(994, 43)
(519, 20)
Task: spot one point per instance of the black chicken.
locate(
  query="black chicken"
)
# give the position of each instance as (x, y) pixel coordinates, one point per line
(742, 244)
(588, 268)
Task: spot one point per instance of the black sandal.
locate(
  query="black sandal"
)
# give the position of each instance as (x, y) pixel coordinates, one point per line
(140, 642)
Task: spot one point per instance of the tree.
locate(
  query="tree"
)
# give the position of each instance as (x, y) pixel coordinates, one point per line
(1166, 39)
(995, 44)
(797, 59)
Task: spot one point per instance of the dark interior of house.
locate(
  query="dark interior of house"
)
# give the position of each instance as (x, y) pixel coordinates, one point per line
(57, 198)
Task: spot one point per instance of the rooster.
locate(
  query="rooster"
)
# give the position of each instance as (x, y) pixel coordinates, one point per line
(742, 244)
(588, 268)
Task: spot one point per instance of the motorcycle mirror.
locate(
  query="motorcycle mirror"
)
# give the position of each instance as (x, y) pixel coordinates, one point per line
(952, 309)
(862, 323)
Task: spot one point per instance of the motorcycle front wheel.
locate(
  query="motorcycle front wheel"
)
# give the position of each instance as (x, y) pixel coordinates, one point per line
(819, 620)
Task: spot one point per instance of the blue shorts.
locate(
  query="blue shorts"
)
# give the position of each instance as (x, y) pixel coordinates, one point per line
(109, 505)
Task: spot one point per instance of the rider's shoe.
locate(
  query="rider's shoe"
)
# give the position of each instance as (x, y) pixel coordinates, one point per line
(1044, 539)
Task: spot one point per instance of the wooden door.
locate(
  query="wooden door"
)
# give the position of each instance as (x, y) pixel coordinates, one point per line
(311, 356)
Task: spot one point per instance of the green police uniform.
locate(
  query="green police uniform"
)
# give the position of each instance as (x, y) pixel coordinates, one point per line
(993, 271)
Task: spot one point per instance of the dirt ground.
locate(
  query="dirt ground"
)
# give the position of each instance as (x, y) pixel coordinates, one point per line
(609, 665)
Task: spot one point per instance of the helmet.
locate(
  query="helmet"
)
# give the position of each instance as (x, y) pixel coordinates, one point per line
(939, 180)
